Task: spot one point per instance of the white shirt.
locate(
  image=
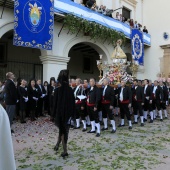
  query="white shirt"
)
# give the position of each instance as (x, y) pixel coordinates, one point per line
(76, 91)
(136, 87)
(91, 88)
(154, 89)
(104, 90)
(145, 88)
(121, 94)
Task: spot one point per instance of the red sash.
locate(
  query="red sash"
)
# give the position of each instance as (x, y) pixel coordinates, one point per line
(124, 101)
(105, 101)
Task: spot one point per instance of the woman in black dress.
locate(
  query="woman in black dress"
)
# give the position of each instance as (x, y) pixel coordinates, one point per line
(23, 99)
(50, 89)
(64, 104)
(46, 103)
(33, 98)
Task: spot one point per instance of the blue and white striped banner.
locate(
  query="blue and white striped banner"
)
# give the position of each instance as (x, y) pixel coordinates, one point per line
(69, 7)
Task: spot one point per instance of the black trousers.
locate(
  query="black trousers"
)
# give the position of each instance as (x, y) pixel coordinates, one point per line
(79, 112)
(124, 110)
(40, 106)
(163, 105)
(107, 111)
(147, 106)
(156, 104)
(137, 106)
(46, 103)
(93, 114)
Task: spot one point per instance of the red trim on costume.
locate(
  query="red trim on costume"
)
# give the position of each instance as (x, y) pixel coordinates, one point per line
(105, 101)
(125, 102)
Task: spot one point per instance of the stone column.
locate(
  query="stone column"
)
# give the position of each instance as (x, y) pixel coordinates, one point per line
(52, 65)
(165, 61)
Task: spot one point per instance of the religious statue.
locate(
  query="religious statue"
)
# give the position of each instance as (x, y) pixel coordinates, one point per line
(118, 52)
(168, 79)
(163, 77)
(159, 77)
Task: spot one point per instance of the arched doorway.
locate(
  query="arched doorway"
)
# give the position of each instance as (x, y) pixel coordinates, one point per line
(23, 62)
(82, 62)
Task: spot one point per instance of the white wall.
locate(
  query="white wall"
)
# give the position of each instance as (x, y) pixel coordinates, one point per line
(156, 18)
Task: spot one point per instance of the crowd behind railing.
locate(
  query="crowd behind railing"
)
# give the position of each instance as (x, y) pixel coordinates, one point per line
(91, 4)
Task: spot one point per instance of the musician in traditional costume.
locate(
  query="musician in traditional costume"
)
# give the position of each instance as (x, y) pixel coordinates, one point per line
(125, 100)
(107, 105)
(137, 102)
(157, 99)
(148, 101)
(165, 98)
(93, 99)
(64, 109)
(80, 97)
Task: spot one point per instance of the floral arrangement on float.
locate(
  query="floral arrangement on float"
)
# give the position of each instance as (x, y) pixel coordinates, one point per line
(116, 71)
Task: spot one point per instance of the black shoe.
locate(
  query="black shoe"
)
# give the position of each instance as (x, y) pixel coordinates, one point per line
(88, 125)
(12, 131)
(23, 122)
(145, 120)
(113, 131)
(64, 155)
(77, 127)
(104, 129)
(130, 127)
(84, 130)
(151, 121)
(91, 131)
(142, 124)
(98, 134)
(56, 147)
(101, 123)
(161, 120)
(135, 123)
(121, 125)
(165, 117)
(71, 127)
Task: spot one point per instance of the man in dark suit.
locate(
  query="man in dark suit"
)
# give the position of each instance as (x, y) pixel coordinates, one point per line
(10, 97)
(79, 105)
(148, 100)
(165, 98)
(157, 99)
(137, 101)
(42, 93)
(125, 100)
(107, 105)
(93, 99)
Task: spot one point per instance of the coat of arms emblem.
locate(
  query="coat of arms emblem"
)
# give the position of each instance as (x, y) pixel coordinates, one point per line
(35, 14)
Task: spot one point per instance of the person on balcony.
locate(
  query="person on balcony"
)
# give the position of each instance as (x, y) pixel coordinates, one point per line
(145, 30)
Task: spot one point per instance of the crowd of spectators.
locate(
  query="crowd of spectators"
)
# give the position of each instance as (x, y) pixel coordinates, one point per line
(108, 12)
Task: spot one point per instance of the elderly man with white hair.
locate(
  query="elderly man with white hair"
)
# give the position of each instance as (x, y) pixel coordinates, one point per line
(107, 105)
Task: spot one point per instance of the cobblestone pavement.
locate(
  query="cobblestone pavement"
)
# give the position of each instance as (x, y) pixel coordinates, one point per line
(145, 147)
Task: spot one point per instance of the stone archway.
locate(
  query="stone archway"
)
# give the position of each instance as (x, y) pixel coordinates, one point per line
(100, 48)
(24, 62)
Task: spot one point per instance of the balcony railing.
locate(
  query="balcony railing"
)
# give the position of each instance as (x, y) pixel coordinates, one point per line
(69, 7)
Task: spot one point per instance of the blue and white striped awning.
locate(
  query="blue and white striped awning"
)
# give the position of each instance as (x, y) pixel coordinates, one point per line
(69, 7)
